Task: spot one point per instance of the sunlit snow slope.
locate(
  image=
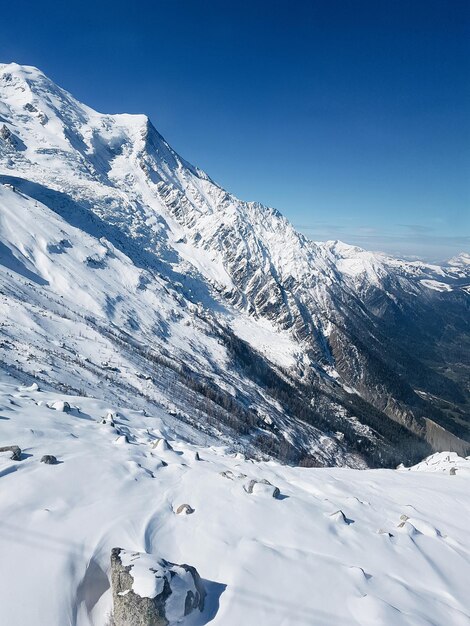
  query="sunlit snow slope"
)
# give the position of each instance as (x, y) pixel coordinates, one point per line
(338, 546)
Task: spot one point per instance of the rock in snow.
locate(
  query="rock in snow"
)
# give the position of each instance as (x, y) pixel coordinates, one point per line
(33, 387)
(49, 459)
(340, 518)
(121, 440)
(15, 450)
(150, 591)
(184, 509)
(61, 406)
(263, 487)
(161, 444)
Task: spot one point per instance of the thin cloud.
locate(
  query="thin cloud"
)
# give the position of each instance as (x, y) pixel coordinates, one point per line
(417, 229)
(417, 242)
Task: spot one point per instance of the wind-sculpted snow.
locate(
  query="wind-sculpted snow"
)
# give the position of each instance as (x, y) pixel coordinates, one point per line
(333, 546)
(105, 225)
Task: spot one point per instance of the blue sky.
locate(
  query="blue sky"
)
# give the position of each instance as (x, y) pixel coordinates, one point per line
(351, 117)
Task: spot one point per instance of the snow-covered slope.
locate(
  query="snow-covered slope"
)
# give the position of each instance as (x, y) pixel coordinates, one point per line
(96, 323)
(337, 546)
(134, 274)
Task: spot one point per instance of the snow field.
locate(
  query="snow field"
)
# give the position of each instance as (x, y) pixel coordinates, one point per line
(336, 546)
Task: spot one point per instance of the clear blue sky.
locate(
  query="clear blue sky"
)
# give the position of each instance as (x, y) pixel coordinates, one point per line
(351, 117)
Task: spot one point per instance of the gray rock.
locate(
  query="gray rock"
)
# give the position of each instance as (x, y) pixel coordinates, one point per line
(262, 486)
(339, 516)
(15, 450)
(121, 439)
(30, 107)
(227, 474)
(161, 445)
(178, 590)
(184, 509)
(403, 519)
(5, 133)
(453, 471)
(60, 405)
(49, 459)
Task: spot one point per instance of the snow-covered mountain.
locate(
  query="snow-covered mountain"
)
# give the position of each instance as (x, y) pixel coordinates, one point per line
(129, 275)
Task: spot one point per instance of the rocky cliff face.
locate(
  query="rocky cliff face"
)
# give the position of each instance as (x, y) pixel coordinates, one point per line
(310, 351)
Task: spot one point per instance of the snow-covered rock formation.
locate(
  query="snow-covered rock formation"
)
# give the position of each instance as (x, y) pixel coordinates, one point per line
(128, 273)
(148, 591)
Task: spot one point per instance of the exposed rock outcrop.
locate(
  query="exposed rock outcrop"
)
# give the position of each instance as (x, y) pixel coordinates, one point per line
(60, 405)
(262, 486)
(49, 459)
(184, 509)
(150, 591)
(15, 450)
(161, 445)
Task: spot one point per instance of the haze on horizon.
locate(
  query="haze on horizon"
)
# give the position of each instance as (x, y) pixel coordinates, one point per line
(352, 119)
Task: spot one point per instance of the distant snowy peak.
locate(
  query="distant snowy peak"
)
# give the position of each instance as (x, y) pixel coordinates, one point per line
(357, 263)
(460, 260)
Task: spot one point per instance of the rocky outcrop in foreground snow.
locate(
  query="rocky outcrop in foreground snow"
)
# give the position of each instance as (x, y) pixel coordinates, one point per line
(149, 591)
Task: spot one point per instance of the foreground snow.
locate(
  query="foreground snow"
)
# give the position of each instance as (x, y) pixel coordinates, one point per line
(337, 546)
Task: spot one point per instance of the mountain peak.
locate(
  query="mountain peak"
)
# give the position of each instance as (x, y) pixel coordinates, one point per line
(20, 70)
(259, 330)
(16, 79)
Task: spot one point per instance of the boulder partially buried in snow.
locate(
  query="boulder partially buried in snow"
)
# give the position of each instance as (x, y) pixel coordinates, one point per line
(340, 518)
(60, 405)
(184, 509)
(49, 459)
(262, 487)
(121, 440)
(33, 387)
(150, 591)
(161, 445)
(15, 452)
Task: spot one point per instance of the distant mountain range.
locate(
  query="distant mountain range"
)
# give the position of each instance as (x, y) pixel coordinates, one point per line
(128, 274)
